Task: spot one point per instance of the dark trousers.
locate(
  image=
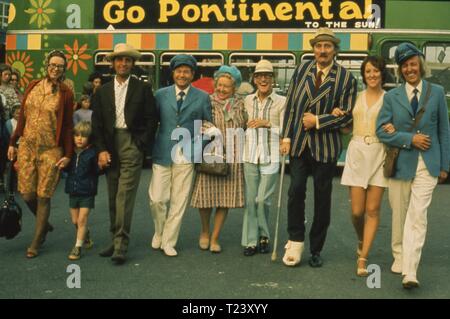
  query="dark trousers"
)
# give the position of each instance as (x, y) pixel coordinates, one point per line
(322, 173)
(123, 181)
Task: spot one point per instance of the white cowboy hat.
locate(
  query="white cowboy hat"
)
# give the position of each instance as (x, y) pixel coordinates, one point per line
(124, 49)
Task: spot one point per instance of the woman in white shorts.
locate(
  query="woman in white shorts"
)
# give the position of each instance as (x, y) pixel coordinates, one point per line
(363, 171)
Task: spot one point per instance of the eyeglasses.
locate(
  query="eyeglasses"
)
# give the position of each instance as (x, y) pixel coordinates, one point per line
(56, 66)
(264, 75)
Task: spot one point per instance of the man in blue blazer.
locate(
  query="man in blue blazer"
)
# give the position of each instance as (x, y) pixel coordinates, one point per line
(178, 146)
(311, 137)
(423, 159)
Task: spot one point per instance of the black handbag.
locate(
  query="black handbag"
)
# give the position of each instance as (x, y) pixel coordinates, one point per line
(219, 168)
(10, 211)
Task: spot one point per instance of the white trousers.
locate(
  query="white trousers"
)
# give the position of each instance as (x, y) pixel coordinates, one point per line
(169, 185)
(409, 201)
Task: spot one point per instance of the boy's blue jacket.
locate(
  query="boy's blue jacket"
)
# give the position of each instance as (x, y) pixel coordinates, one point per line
(83, 173)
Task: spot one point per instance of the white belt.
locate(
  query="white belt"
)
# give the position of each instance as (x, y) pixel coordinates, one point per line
(366, 139)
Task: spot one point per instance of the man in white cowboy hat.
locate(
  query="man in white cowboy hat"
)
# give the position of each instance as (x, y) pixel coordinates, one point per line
(311, 138)
(265, 111)
(124, 121)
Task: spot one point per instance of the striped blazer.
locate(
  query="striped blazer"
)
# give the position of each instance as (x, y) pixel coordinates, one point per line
(338, 89)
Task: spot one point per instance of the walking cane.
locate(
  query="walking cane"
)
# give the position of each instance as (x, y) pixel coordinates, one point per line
(275, 242)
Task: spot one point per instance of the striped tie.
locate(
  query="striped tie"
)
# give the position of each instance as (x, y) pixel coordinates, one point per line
(180, 100)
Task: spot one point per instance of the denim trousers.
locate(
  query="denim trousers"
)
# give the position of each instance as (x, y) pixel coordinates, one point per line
(258, 192)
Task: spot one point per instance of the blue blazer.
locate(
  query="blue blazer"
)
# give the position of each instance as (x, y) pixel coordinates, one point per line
(337, 90)
(196, 106)
(397, 110)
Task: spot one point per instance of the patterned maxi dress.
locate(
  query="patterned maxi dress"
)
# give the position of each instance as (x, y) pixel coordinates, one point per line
(38, 151)
(218, 191)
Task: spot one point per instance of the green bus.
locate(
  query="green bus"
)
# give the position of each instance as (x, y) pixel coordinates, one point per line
(217, 32)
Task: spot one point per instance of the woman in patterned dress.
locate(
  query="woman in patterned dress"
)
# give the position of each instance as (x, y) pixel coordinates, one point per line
(46, 144)
(219, 192)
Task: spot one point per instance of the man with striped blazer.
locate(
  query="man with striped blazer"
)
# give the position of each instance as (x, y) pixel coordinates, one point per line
(311, 137)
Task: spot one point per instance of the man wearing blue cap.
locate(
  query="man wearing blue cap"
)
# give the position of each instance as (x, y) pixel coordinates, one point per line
(179, 106)
(414, 119)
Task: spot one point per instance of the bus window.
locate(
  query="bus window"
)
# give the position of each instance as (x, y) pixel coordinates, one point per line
(207, 64)
(144, 69)
(283, 67)
(437, 56)
(350, 61)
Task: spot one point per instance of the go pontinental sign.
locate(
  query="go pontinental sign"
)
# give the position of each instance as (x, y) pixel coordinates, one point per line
(221, 14)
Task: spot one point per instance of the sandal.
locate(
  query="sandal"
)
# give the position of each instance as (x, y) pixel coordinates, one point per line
(361, 271)
(293, 254)
(31, 252)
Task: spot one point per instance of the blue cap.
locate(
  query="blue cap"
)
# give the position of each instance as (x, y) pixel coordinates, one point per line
(231, 70)
(404, 51)
(183, 59)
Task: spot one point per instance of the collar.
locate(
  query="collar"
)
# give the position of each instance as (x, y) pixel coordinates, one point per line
(326, 70)
(117, 83)
(178, 90)
(409, 88)
(270, 96)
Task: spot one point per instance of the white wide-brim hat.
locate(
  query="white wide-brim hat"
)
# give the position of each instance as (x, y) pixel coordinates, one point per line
(124, 49)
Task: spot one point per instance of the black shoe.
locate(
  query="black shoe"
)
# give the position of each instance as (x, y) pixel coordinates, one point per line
(315, 261)
(118, 257)
(263, 245)
(107, 252)
(249, 251)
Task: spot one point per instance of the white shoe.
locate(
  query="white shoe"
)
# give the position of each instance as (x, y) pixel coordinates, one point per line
(170, 251)
(156, 241)
(396, 267)
(409, 282)
(293, 254)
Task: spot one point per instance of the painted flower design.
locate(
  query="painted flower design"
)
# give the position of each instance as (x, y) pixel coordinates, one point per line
(22, 62)
(75, 56)
(39, 12)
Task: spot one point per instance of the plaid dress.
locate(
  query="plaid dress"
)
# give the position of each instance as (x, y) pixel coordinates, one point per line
(217, 191)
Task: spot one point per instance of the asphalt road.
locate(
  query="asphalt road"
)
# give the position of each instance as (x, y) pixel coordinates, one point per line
(200, 274)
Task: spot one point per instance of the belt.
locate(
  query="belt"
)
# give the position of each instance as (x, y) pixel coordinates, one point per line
(366, 139)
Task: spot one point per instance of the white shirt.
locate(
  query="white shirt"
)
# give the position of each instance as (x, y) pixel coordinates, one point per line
(261, 147)
(177, 92)
(120, 93)
(410, 90)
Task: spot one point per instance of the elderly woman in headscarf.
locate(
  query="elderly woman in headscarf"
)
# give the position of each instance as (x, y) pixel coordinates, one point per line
(223, 192)
(46, 142)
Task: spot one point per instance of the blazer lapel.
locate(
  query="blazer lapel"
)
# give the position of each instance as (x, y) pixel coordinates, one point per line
(188, 99)
(111, 97)
(130, 90)
(403, 99)
(326, 85)
(422, 94)
(310, 82)
(172, 98)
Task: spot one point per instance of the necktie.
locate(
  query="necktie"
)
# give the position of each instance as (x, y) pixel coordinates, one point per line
(318, 80)
(180, 100)
(415, 101)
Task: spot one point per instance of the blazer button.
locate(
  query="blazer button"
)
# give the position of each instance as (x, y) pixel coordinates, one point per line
(404, 146)
(418, 131)
(178, 126)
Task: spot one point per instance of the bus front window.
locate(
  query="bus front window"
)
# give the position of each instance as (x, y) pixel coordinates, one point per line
(437, 56)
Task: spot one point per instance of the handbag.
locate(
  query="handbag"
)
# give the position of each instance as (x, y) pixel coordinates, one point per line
(217, 168)
(392, 152)
(10, 211)
(390, 161)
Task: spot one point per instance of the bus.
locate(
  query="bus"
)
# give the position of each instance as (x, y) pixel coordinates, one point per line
(217, 32)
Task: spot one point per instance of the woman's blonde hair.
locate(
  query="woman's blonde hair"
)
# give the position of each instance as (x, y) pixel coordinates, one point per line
(83, 128)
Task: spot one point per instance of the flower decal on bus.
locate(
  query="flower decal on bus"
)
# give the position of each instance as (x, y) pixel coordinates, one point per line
(23, 63)
(75, 56)
(39, 12)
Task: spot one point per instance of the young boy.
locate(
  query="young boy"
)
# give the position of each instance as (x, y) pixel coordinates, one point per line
(81, 185)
